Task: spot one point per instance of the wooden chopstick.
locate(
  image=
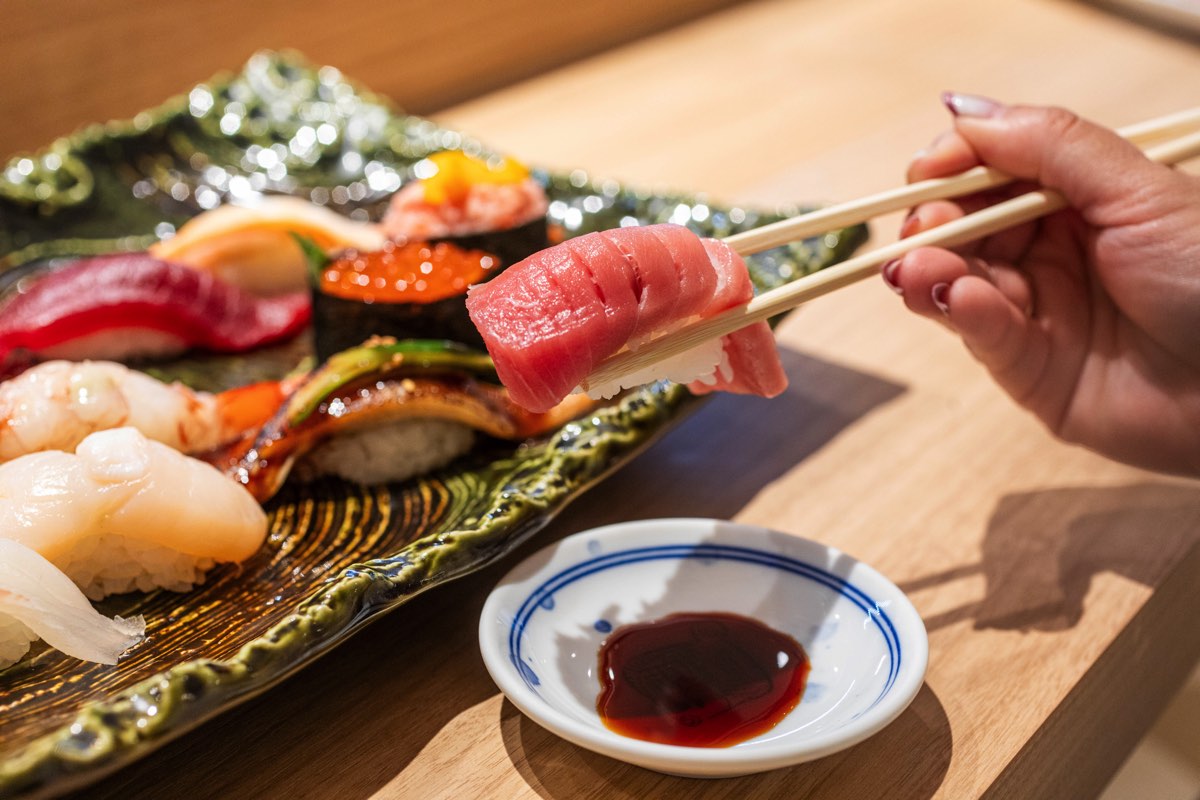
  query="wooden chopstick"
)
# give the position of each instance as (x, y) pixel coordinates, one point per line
(974, 226)
(969, 182)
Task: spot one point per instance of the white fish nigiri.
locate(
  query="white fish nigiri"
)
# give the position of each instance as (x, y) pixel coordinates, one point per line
(38, 601)
(124, 513)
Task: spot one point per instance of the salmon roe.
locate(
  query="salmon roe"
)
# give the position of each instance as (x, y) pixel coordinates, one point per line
(406, 272)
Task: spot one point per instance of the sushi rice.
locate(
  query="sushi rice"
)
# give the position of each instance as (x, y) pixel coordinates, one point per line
(389, 453)
(703, 363)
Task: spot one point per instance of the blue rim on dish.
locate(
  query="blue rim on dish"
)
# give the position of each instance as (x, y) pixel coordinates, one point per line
(513, 635)
(539, 596)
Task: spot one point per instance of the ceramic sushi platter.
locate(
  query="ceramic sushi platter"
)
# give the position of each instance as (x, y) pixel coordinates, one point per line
(336, 553)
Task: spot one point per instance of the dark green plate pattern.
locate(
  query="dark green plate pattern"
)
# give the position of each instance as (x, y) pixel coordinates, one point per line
(337, 554)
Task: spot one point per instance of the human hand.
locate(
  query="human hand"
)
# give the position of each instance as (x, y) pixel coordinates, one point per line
(1090, 317)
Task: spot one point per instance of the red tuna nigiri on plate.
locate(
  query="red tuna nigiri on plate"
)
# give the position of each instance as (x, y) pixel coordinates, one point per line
(550, 319)
(134, 305)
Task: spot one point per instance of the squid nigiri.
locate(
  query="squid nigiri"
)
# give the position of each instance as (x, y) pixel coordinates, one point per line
(124, 512)
(38, 601)
(252, 247)
(54, 405)
(550, 319)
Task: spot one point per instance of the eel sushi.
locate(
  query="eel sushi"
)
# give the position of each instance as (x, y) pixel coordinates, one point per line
(134, 305)
(493, 205)
(549, 320)
(384, 412)
(55, 405)
(38, 601)
(123, 512)
(254, 247)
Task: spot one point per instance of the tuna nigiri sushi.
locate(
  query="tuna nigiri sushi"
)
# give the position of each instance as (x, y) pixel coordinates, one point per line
(550, 319)
(134, 305)
(38, 601)
(124, 512)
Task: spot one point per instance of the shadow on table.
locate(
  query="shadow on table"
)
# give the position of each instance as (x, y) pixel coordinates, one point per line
(349, 724)
(1042, 550)
(713, 462)
(908, 759)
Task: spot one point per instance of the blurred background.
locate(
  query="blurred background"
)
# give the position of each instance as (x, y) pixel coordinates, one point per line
(69, 63)
(423, 54)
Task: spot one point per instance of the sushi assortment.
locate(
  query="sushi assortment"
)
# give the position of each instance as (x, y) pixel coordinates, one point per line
(96, 456)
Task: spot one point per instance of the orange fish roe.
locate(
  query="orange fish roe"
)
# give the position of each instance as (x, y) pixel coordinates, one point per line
(406, 272)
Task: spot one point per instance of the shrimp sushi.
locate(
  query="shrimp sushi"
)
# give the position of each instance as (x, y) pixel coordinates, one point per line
(549, 320)
(38, 601)
(55, 405)
(123, 512)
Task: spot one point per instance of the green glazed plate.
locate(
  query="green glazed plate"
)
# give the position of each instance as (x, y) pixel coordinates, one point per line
(337, 554)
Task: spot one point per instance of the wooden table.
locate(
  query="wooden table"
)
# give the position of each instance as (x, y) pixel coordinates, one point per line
(1060, 590)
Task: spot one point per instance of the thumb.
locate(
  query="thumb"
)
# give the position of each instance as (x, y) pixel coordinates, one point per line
(1100, 174)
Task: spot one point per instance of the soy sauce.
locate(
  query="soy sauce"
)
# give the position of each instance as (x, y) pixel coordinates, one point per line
(699, 679)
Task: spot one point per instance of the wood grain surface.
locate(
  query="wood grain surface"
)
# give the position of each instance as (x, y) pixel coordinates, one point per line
(69, 63)
(1059, 589)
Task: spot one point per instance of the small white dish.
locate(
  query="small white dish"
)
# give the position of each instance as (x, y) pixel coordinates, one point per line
(542, 627)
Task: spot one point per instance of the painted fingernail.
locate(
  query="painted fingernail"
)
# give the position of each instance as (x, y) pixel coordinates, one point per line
(971, 105)
(889, 271)
(941, 296)
(912, 224)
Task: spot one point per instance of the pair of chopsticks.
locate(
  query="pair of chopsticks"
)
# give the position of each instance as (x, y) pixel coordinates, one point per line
(1182, 141)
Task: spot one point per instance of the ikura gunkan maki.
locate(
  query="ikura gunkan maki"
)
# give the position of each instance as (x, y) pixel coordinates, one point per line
(409, 290)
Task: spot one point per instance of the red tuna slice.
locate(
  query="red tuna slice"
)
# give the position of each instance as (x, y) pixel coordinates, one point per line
(733, 286)
(753, 360)
(695, 286)
(654, 276)
(550, 319)
(132, 304)
(602, 265)
(544, 322)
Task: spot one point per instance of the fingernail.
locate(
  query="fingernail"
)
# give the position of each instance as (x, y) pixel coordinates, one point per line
(888, 271)
(941, 295)
(971, 105)
(910, 226)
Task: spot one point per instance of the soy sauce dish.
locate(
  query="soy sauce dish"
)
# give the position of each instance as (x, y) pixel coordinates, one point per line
(544, 627)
